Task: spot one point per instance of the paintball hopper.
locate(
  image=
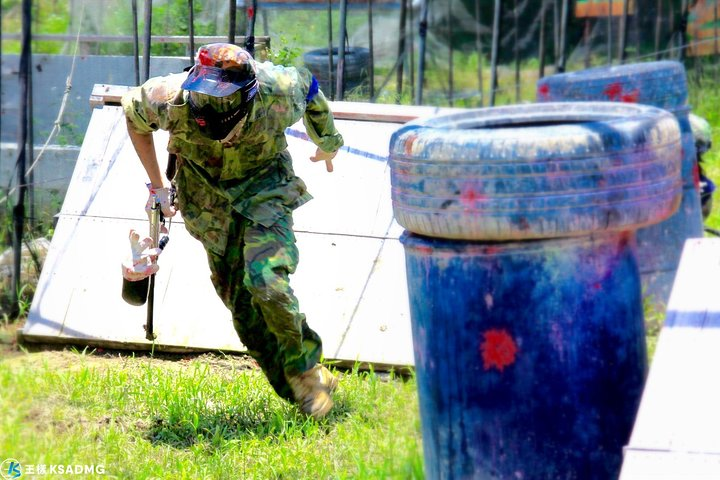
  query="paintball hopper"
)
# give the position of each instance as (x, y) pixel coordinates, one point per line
(135, 293)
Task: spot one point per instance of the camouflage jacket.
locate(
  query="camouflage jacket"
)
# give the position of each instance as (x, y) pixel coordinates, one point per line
(255, 173)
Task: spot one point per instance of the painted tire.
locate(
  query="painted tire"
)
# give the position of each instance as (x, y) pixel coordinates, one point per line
(536, 171)
(357, 60)
(660, 84)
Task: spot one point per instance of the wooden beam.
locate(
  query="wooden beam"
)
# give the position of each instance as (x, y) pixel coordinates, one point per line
(111, 94)
(155, 39)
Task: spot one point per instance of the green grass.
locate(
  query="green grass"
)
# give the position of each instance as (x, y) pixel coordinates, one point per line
(704, 98)
(203, 417)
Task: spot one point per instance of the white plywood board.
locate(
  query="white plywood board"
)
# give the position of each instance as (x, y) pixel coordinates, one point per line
(79, 297)
(679, 412)
(657, 465)
(355, 198)
(350, 258)
(382, 315)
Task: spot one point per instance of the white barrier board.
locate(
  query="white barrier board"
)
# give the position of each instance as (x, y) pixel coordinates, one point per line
(350, 281)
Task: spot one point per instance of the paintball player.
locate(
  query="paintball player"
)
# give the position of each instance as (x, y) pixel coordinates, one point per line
(236, 189)
(702, 133)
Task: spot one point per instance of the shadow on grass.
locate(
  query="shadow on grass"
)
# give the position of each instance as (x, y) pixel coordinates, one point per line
(275, 419)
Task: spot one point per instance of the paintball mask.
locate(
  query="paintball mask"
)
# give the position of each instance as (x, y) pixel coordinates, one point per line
(222, 86)
(702, 133)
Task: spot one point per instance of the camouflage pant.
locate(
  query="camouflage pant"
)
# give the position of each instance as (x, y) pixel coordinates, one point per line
(252, 280)
(250, 265)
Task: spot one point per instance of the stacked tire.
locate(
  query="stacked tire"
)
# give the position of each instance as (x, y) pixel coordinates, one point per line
(536, 171)
(523, 280)
(661, 84)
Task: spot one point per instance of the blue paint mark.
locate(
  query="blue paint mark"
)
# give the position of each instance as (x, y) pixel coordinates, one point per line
(314, 89)
(355, 151)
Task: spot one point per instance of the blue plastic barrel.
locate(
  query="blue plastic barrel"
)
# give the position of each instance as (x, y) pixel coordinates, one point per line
(662, 84)
(524, 287)
(530, 356)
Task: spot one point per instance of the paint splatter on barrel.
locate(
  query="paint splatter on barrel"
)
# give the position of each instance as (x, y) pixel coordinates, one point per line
(523, 280)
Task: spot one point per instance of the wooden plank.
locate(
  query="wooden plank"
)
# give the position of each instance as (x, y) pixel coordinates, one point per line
(678, 412)
(377, 112)
(664, 465)
(260, 40)
(103, 94)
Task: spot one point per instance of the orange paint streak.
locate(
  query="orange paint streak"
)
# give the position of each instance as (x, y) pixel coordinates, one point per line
(409, 145)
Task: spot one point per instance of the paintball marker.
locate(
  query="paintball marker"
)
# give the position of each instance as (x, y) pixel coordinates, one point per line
(137, 293)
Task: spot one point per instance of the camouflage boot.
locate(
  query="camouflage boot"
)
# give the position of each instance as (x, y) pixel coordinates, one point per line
(312, 391)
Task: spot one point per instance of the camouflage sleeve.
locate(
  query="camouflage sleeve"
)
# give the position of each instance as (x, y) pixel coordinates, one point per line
(146, 106)
(318, 119)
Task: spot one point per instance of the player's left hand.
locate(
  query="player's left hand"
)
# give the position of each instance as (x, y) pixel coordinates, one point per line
(327, 157)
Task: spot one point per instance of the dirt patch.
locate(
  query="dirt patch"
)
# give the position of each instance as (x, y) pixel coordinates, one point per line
(66, 356)
(8, 339)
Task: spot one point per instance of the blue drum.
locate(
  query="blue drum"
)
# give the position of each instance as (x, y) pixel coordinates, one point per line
(530, 356)
(523, 281)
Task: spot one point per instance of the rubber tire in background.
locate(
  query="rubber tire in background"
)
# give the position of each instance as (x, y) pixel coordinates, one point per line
(661, 84)
(357, 61)
(536, 171)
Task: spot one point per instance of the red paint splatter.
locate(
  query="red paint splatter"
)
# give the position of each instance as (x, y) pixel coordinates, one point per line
(204, 58)
(544, 91)
(469, 196)
(613, 91)
(424, 250)
(696, 176)
(631, 97)
(498, 349)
